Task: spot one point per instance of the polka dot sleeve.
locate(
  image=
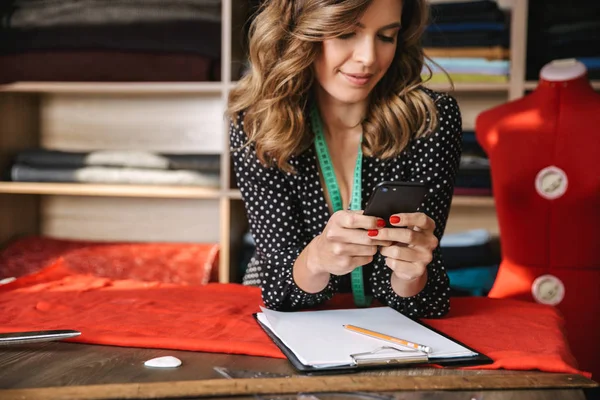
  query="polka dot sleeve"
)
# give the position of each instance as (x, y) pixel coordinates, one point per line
(433, 160)
(274, 212)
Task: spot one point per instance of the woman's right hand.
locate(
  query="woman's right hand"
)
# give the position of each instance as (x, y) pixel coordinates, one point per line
(349, 240)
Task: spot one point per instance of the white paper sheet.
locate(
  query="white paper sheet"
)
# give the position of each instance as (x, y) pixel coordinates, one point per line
(319, 339)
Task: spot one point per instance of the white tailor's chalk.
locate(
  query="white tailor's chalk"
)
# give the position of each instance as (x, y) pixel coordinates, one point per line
(163, 362)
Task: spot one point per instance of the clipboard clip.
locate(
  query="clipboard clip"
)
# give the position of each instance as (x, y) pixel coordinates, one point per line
(408, 357)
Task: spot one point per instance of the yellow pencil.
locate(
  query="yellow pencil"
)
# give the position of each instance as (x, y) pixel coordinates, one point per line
(387, 338)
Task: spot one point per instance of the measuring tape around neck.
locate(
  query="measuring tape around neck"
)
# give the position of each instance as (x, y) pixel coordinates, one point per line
(356, 277)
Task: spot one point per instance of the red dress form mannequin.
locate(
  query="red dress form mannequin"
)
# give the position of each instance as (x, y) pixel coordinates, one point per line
(544, 151)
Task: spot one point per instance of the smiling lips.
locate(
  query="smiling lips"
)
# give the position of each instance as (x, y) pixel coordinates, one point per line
(357, 79)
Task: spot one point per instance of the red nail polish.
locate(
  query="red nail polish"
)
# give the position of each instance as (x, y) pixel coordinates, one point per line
(380, 223)
(373, 232)
(394, 219)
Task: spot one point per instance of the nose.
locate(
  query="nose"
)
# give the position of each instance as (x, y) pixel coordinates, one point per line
(364, 51)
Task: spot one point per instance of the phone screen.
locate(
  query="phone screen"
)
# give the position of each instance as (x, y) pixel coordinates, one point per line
(391, 198)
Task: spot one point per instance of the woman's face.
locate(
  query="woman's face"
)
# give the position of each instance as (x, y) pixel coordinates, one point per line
(349, 67)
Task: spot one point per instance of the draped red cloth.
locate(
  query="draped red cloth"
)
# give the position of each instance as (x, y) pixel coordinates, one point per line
(218, 318)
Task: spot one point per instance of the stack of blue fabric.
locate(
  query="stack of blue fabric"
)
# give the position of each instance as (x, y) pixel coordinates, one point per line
(472, 260)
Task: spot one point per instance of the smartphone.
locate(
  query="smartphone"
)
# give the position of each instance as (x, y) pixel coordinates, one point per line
(391, 198)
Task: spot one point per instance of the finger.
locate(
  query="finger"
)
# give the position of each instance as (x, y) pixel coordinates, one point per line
(368, 237)
(420, 220)
(406, 270)
(353, 250)
(409, 237)
(348, 264)
(356, 220)
(407, 254)
(360, 261)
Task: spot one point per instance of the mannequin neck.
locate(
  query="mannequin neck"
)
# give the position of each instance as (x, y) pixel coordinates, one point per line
(576, 85)
(563, 70)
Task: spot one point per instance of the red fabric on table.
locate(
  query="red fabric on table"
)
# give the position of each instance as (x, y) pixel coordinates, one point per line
(218, 318)
(182, 263)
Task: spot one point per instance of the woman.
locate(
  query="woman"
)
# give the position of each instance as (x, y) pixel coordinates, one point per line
(345, 74)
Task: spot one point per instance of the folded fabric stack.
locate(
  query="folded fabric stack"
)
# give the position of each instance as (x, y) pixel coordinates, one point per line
(471, 259)
(473, 177)
(469, 40)
(116, 167)
(105, 40)
(558, 29)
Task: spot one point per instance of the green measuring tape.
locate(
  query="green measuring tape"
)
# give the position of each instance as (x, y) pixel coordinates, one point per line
(356, 277)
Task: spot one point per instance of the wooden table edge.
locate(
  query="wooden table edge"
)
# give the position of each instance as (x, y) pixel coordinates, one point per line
(297, 384)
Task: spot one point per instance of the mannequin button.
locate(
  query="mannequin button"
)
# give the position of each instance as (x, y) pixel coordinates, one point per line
(551, 182)
(548, 289)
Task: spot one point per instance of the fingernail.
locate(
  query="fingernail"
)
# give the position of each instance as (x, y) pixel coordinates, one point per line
(380, 223)
(394, 219)
(373, 232)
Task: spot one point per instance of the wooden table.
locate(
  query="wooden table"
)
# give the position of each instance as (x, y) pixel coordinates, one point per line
(69, 371)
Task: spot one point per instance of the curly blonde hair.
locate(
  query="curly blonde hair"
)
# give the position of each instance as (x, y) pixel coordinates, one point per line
(284, 40)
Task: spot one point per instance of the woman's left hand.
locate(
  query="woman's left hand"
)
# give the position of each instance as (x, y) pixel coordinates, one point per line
(413, 243)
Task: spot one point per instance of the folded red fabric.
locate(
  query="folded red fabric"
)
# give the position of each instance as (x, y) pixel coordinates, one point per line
(218, 318)
(183, 263)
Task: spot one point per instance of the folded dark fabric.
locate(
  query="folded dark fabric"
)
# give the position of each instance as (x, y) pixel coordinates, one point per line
(466, 27)
(463, 7)
(478, 178)
(594, 74)
(466, 39)
(559, 29)
(495, 15)
(140, 176)
(549, 12)
(471, 162)
(470, 256)
(544, 51)
(119, 158)
(470, 145)
(182, 37)
(477, 192)
(467, 12)
(25, 14)
(107, 66)
(581, 27)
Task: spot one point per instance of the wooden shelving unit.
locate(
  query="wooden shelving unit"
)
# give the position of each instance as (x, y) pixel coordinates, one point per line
(76, 189)
(172, 117)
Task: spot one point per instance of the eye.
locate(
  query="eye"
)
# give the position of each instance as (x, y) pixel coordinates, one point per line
(387, 39)
(346, 36)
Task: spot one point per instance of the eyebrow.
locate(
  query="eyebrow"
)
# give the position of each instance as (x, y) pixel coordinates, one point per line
(384, 28)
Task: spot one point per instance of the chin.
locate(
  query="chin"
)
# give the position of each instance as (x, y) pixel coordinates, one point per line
(351, 98)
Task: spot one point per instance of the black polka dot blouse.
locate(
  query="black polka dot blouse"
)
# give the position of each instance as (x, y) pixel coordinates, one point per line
(286, 211)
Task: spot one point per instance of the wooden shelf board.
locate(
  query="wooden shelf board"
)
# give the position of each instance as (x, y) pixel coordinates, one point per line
(481, 201)
(114, 87)
(470, 87)
(473, 201)
(85, 189)
(234, 194)
(530, 85)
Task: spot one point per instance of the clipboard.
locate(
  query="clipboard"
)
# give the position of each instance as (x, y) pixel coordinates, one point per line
(369, 360)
